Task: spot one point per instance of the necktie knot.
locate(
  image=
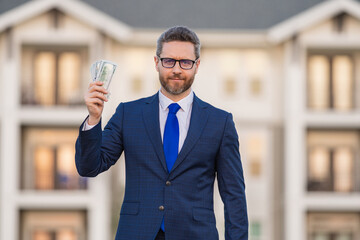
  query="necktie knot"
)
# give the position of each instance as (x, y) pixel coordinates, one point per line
(174, 108)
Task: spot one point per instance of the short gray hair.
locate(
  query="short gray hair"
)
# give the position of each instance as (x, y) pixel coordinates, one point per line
(179, 33)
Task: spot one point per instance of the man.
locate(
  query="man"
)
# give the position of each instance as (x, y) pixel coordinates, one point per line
(174, 144)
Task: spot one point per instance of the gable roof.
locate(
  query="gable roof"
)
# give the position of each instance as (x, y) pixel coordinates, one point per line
(198, 14)
(275, 20)
(203, 14)
(74, 8)
(313, 16)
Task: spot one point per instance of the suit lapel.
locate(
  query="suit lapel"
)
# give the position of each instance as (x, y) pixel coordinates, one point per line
(198, 120)
(151, 121)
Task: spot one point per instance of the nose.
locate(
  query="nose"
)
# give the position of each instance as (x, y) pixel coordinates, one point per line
(176, 69)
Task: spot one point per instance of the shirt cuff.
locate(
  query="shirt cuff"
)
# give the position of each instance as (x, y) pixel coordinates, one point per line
(87, 126)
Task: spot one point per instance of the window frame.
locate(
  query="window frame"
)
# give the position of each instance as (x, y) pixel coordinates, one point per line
(330, 54)
(33, 50)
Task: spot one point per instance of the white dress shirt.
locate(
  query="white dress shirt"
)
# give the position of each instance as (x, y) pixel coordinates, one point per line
(183, 115)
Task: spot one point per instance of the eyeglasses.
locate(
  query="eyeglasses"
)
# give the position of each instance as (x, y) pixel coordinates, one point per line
(185, 64)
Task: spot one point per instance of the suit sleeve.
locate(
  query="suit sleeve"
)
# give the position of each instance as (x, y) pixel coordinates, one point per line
(231, 184)
(97, 150)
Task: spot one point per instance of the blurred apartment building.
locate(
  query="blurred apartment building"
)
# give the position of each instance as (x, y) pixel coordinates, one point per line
(287, 70)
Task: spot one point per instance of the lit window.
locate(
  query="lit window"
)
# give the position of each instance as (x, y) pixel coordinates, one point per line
(343, 169)
(331, 161)
(69, 75)
(319, 164)
(229, 63)
(333, 226)
(330, 82)
(256, 66)
(53, 225)
(319, 82)
(49, 160)
(42, 235)
(256, 86)
(44, 168)
(343, 82)
(137, 84)
(44, 78)
(58, 234)
(230, 86)
(53, 75)
(66, 234)
(319, 169)
(255, 154)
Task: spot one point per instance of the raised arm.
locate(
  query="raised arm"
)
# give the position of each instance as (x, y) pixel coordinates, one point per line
(97, 150)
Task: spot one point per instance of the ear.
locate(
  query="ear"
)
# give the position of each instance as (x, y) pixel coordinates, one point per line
(197, 64)
(156, 60)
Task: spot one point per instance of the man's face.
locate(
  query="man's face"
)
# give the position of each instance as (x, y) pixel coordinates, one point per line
(175, 81)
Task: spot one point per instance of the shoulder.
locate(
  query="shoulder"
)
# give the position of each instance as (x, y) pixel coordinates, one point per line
(138, 102)
(211, 109)
(144, 100)
(218, 120)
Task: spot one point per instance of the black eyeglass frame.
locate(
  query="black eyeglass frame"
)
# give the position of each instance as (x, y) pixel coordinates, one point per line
(180, 61)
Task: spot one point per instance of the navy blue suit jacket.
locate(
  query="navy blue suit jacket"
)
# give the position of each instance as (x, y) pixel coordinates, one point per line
(211, 149)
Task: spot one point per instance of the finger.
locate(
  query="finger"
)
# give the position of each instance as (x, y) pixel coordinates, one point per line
(98, 95)
(98, 102)
(98, 89)
(95, 102)
(90, 98)
(91, 84)
(96, 83)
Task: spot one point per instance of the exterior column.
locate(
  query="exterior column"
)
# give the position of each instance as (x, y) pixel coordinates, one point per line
(9, 152)
(295, 147)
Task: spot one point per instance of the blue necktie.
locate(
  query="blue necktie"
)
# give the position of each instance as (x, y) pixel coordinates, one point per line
(171, 136)
(171, 140)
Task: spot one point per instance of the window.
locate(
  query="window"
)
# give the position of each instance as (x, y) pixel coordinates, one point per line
(58, 234)
(333, 226)
(230, 86)
(49, 159)
(255, 230)
(256, 86)
(333, 161)
(53, 225)
(256, 68)
(331, 81)
(137, 84)
(229, 63)
(53, 75)
(256, 149)
(243, 69)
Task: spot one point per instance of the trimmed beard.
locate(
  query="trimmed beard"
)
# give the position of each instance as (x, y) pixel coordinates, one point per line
(176, 90)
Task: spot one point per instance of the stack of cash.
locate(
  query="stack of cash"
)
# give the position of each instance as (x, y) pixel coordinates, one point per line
(103, 71)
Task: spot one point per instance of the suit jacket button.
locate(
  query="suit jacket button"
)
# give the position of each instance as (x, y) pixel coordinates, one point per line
(168, 183)
(161, 208)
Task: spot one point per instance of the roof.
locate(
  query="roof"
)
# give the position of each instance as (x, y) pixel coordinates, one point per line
(117, 27)
(197, 14)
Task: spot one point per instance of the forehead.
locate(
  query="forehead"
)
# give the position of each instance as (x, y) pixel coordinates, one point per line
(178, 50)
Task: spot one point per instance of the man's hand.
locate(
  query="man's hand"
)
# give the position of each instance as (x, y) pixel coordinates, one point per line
(94, 100)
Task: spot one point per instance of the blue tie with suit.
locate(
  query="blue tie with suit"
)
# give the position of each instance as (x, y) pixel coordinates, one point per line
(171, 140)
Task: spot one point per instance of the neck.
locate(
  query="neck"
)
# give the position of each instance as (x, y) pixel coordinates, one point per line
(177, 97)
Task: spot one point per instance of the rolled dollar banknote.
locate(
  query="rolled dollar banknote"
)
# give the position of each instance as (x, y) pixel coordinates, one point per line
(103, 71)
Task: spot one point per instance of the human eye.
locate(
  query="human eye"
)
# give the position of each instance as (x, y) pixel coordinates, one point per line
(186, 63)
(168, 61)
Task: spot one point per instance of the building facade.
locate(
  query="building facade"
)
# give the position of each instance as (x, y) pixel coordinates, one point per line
(293, 89)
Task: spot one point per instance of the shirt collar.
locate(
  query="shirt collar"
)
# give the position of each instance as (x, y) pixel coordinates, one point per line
(184, 103)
